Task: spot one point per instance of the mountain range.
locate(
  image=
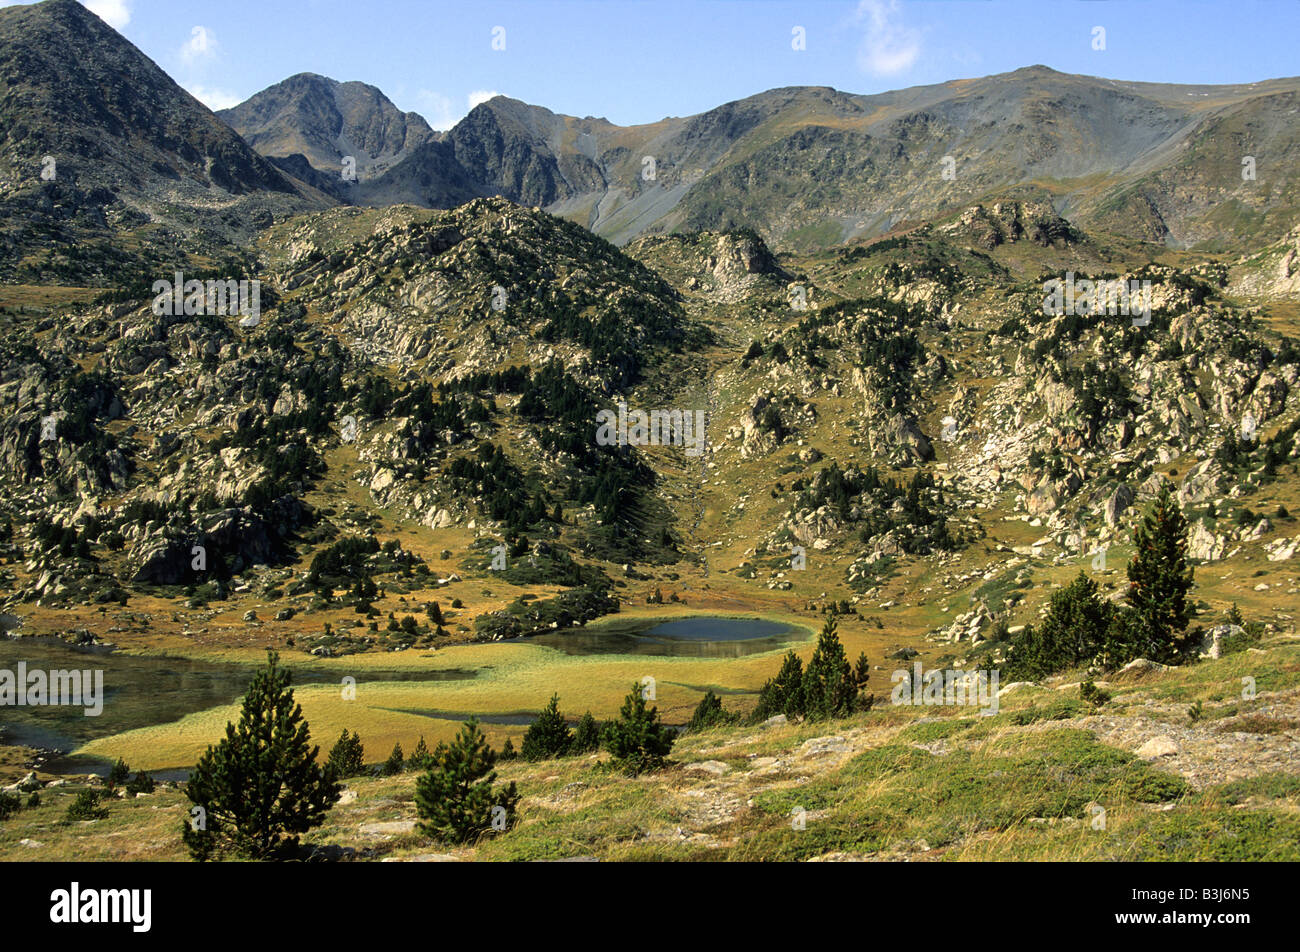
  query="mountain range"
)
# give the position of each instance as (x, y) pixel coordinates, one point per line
(397, 462)
(806, 167)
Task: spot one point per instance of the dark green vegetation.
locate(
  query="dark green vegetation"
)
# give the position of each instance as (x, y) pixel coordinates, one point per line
(637, 740)
(549, 735)
(457, 798)
(346, 757)
(828, 687)
(1082, 628)
(259, 789)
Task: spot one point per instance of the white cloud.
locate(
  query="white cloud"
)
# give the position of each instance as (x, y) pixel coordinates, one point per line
(480, 96)
(116, 13)
(436, 109)
(213, 98)
(440, 110)
(202, 45)
(889, 47)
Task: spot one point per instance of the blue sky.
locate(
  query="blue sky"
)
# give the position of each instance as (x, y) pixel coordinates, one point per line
(634, 61)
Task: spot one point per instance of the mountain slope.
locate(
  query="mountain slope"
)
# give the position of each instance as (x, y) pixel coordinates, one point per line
(127, 148)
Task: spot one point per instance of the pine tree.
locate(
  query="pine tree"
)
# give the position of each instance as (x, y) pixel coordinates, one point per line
(862, 671)
(118, 775)
(395, 762)
(260, 788)
(456, 799)
(784, 693)
(142, 782)
(1160, 578)
(637, 740)
(549, 735)
(508, 751)
(347, 757)
(87, 806)
(861, 676)
(1073, 632)
(829, 688)
(586, 737)
(708, 713)
(420, 758)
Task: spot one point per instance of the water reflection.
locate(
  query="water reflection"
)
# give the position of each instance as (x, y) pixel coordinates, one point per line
(701, 636)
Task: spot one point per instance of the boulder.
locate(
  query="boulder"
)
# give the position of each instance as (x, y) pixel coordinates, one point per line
(1204, 544)
(1043, 500)
(1162, 746)
(1117, 504)
(1212, 644)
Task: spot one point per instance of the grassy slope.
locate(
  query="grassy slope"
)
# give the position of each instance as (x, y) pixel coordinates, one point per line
(896, 783)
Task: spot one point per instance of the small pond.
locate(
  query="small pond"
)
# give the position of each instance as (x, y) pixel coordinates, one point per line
(699, 636)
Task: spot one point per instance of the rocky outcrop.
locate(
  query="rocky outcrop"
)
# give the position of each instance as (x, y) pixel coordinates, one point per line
(1205, 544)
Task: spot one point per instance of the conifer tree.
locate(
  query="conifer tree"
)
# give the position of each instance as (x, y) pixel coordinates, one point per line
(862, 671)
(420, 758)
(508, 751)
(347, 757)
(829, 687)
(549, 735)
(784, 693)
(118, 775)
(586, 737)
(1074, 631)
(1160, 578)
(708, 713)
(142, 782)
(456, 799)
(260, 787)
(637, 740)
(395, 762)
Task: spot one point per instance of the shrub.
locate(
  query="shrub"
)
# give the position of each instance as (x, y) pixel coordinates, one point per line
(9, 805)
(118, 774)
(637, 740)
(141, 783)
(1154, 787)
(1089, 693)
(86, 807)
(456, 799)
(261, 787)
